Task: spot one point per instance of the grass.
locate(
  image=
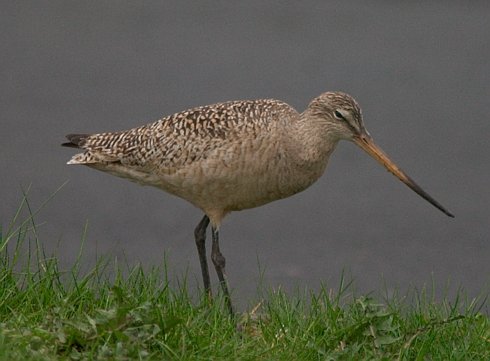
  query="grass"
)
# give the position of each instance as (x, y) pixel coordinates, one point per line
(47, 313)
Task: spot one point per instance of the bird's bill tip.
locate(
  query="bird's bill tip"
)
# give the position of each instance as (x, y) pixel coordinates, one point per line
(365, 142)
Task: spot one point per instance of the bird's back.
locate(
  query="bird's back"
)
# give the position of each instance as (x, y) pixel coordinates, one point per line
(182, 138)
(227, 156)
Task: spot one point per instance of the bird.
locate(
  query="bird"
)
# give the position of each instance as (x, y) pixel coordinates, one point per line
(234, 155)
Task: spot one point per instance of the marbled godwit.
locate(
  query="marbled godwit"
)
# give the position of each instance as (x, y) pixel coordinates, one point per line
(232, 156)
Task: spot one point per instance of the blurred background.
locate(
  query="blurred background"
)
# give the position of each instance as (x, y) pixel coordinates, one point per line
(420, 71)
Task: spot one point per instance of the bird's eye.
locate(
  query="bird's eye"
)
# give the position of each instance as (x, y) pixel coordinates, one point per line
(338, 115)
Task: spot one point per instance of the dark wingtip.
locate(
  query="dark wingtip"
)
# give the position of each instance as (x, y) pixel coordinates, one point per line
(75, 140)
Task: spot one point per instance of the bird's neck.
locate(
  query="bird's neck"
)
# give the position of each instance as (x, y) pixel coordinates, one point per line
(312, 140)
(307, 146)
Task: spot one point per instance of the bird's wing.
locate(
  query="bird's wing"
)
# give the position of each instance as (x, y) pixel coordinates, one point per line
(180, 138)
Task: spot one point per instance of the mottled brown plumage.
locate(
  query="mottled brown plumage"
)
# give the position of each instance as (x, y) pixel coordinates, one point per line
(234, 155)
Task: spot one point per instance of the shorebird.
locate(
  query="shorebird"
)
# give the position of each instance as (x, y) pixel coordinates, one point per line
(234, 155)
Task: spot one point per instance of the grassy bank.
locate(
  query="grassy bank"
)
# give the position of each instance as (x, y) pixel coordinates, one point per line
(47, 314)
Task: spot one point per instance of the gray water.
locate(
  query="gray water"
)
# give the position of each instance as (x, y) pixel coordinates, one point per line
(421, 73)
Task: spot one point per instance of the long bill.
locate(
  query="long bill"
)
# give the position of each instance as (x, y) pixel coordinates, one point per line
(366, 142)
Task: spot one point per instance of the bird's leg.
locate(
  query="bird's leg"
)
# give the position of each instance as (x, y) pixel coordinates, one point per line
(200, 236)
(219, 264)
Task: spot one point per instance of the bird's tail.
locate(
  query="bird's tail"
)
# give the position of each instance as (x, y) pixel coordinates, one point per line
(75, 140)
(78, 141)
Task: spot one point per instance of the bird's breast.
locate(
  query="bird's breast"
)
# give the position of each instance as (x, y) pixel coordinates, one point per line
(243, 175)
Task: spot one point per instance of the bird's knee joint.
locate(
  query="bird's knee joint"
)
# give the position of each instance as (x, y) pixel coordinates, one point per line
(218, 260)
(200, 237)
(200, 231)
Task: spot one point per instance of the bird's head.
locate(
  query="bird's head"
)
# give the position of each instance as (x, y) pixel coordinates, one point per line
(340, 113)
(342, 117)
